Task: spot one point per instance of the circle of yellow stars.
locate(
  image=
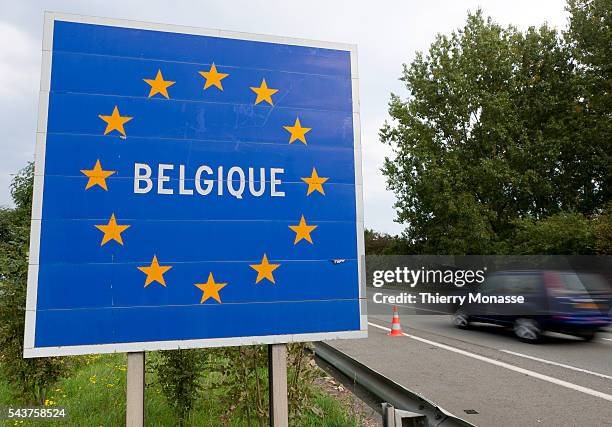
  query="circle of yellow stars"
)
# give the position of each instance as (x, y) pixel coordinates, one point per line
(113, 230)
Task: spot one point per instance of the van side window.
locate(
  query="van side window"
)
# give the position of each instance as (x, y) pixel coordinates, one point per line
(494, 284)
(522, 284)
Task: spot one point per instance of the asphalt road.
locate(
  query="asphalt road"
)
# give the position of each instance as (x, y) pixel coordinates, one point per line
(562, 381)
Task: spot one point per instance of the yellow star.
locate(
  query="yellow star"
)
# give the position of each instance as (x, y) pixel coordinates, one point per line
(155, 272)
(264, 270)
(213, 78)
(115, 122)
(315, 182)
(97, 176)
(264, 93)
(112, 231)
(302, 230)
(211, 289)
(297, 131)
(159, 85)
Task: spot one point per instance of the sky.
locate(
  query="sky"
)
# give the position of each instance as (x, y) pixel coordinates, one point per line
(388, 33)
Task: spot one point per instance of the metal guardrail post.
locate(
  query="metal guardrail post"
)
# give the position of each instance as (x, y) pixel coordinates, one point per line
(398, 418)
(388, 415)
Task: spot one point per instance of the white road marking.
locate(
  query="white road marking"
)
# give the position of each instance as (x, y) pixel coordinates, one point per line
(550, 362)
(527, 372)
(607, 339)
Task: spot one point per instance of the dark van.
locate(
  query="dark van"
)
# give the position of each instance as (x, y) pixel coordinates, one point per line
(568, 302)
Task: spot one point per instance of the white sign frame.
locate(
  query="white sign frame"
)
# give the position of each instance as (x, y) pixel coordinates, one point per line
(39, 166)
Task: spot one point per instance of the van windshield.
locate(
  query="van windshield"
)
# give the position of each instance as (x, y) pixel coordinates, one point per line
(584, 282)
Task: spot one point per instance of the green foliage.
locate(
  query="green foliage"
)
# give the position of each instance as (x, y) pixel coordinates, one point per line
(496, 130)
(243, 373)
(603, 232)
(238, 371)
(30, 378)
(186, 376)
(94, 395)
(326, 411)
(564, 234)
(589, 38)
(384, 244)
(21, 190)
(300, 376)
(590, 32)
(179, 376)
(561, 234)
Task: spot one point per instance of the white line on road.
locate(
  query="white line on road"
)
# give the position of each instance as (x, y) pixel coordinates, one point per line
(533, 374)
(550, 362)
(607, 339)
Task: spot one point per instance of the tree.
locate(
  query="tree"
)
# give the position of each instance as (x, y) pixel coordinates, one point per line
(30, 378)
(383, 244)
(589, 37)
(493, 131)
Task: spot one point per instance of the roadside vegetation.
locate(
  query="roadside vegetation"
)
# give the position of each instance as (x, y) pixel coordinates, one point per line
(94, 395)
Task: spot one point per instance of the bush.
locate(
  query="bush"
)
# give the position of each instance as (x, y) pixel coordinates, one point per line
(179, 375)
(30, 378)
(564, 234)
(242, 372)
(561, 234)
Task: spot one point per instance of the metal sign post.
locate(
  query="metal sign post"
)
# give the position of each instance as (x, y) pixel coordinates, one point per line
(277, 377)
(134, 414)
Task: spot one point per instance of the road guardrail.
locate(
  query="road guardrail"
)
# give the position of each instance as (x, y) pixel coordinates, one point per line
(388, 391)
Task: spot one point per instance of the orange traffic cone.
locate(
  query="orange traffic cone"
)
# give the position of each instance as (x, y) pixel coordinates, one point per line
(396, 326)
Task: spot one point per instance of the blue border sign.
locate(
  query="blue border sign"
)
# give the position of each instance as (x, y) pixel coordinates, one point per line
(193, 188)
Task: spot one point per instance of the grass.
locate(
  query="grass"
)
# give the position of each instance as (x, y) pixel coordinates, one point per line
(94, 395)
(334, 414)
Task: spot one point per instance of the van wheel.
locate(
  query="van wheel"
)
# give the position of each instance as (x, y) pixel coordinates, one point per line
(527, 330)
(461, 320)
(587, 335)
